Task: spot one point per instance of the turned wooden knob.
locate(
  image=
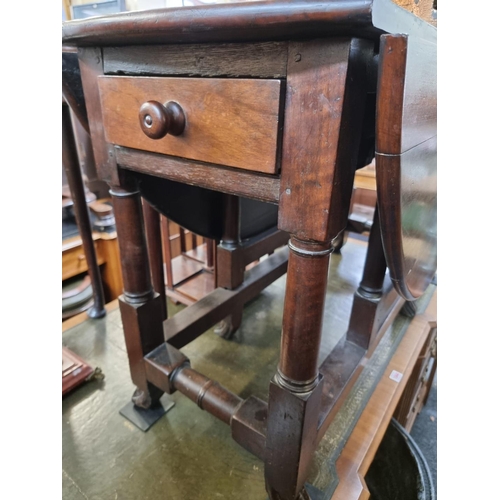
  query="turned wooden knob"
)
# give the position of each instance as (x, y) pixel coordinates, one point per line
(158, 120)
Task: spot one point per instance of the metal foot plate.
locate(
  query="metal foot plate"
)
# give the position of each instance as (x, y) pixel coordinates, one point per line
(144, 419)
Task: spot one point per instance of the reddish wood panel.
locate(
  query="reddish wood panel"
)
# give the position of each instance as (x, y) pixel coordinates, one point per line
(407, 94)
(270, 20)
(407, 194)
(90, 60)
(323, 117)
(228, 122)
(406, 158)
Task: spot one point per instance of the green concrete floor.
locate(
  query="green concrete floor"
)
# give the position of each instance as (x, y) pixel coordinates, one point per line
(189, 454)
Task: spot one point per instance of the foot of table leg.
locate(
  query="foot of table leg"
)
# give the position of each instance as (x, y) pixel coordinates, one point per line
(229, 325)
(96, 312)
(409, 309)
(144, 418)
(141, 309)
(291, 439)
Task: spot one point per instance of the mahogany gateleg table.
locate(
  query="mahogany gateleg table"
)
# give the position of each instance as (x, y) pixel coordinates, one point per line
(279, 102)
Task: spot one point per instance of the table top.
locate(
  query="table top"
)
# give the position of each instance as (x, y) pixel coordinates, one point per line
(250, 21)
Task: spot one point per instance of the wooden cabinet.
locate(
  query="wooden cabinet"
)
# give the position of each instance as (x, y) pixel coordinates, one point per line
(108, 258)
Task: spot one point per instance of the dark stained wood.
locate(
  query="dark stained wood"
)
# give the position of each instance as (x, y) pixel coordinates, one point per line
(243, 22)
(142, 331)
(210, 252)
(72, 87)
(158, 120)
(141, 309)
(206, 393)
(90, 60)
(249, 426)
(231, 122)
(361, 326)
(340, 370)
(318, 167)
(231, 233)
(191, 322)
(161, 363)
(266, 243)
(291, 439)
(167, 250)
(408, 217)
(182, 239)
(264, 60)
(407, 160)
(305, 291)
(273, 20)
(323, 112)
(375, 264)
(368, 313)
(75, 181)
(230, 266)
(132, 242)
(295, 391)
(154, 243)
(170, 371)
(410, 68)
(86, 154)
(257, 187)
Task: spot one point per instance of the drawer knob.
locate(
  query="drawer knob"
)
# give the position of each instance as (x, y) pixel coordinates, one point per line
(158, 120)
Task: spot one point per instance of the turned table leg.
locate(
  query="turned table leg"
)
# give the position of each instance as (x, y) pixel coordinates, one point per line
(153, 237)
(140, 307)
(295, 391)
(230, 267)
(363, 325)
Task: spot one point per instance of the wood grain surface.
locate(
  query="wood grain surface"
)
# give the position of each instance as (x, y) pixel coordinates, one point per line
(264, 60)
(272, 20)
(228, 122)
(321, 135)
(232, 181)
(243, 22)
(406, 157)
(90, 60)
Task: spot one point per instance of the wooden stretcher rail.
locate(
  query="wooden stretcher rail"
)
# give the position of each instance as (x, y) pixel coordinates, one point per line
(191, 322)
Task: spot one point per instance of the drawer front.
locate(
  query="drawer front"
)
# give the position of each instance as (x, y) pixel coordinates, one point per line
(74, 262)
(232, 122)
